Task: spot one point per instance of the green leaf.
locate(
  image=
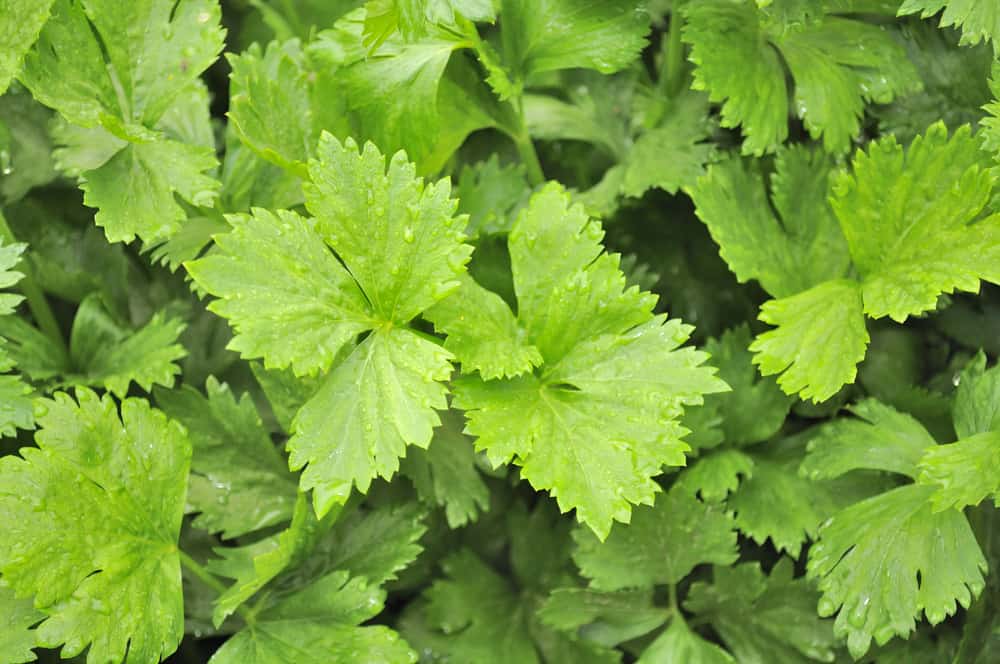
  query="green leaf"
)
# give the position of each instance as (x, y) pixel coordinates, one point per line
(319, 625)
(381, 399)
(885, 560)
(10, 256)
(20, 23)
(911, 219)
(490, 194)
(548, 35)
(612, 383)
(92, 517)
(763, 619)
(879, 438)
(267, 88)
(788, 244)
(660, 545)
(979, 19)
(109, 355)
(837, 64)
(25, 136)
(17, 639)
(399, 237)
(477, 608)
(819, 340)
(976, 408)
(776, 502)
(715, 476)
(679, 644)
(16, 411)
(445, 474)
(964, 472)
(608, 618)
(288, 298)
(239, 480)
(253, 566)
(756, 408)
(483, 333)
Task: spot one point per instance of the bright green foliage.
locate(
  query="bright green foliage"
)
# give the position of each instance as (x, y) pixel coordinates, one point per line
(10, 254)
(838, 64)
(239, 480)
(490, 193)
(979, 19)
(967, 471)
(679, 644)
(609, 618)
(20, 23)
(16, 636)
(604, 354)
(976, 408)
(319, 624)
(402, 251)
(661, 544)
(910, 215)
(92, 517)
(763, 618)
(84, 68)
(819, 340)
(15, 395)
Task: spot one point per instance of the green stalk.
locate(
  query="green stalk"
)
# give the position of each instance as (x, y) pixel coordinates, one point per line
(209, 579)
(673, 67)
(526, 148)
(39, 306)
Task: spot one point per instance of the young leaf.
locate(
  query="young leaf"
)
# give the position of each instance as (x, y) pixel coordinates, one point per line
(239, 480)
(20, 23)
(92, 516)
(319, 624)
(608, 618)
(660, 545)
(976, 408)
(965, 472)
(885, 560)
(604, 355)
(679, 644)
(10, 256)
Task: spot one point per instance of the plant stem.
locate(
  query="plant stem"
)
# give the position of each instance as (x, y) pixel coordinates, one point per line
(526, 147)
(673, 67)
(39, 306)
(672, 589)
(209, 580)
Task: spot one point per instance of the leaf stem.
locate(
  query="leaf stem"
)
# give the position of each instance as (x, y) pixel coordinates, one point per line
(673, 66)
(526, 147)
(209, 579)
(37, 303)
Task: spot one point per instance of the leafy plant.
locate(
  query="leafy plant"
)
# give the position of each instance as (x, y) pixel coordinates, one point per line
(499, 331)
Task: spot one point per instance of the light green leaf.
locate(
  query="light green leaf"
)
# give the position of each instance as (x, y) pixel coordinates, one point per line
(598, 419)
(92, 516)
(539, 36)
(319, 625)
(17, 617)
(10, 256)
(789, 243)
(445, 473)
(134, 190)
(16, 411)
(979, 19)
(490, 194)
(289, 299)
(20, 23)
(660, 545)
(819, 340)
(483, 333)
(885, 560)
(910, 218)
(379, 400)
(25, 136)
(965, 472)
(763, 619)
(397, 236)
(239, 480)
(679, 644)
(715, 476)
(112, 356)
(879, 438)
